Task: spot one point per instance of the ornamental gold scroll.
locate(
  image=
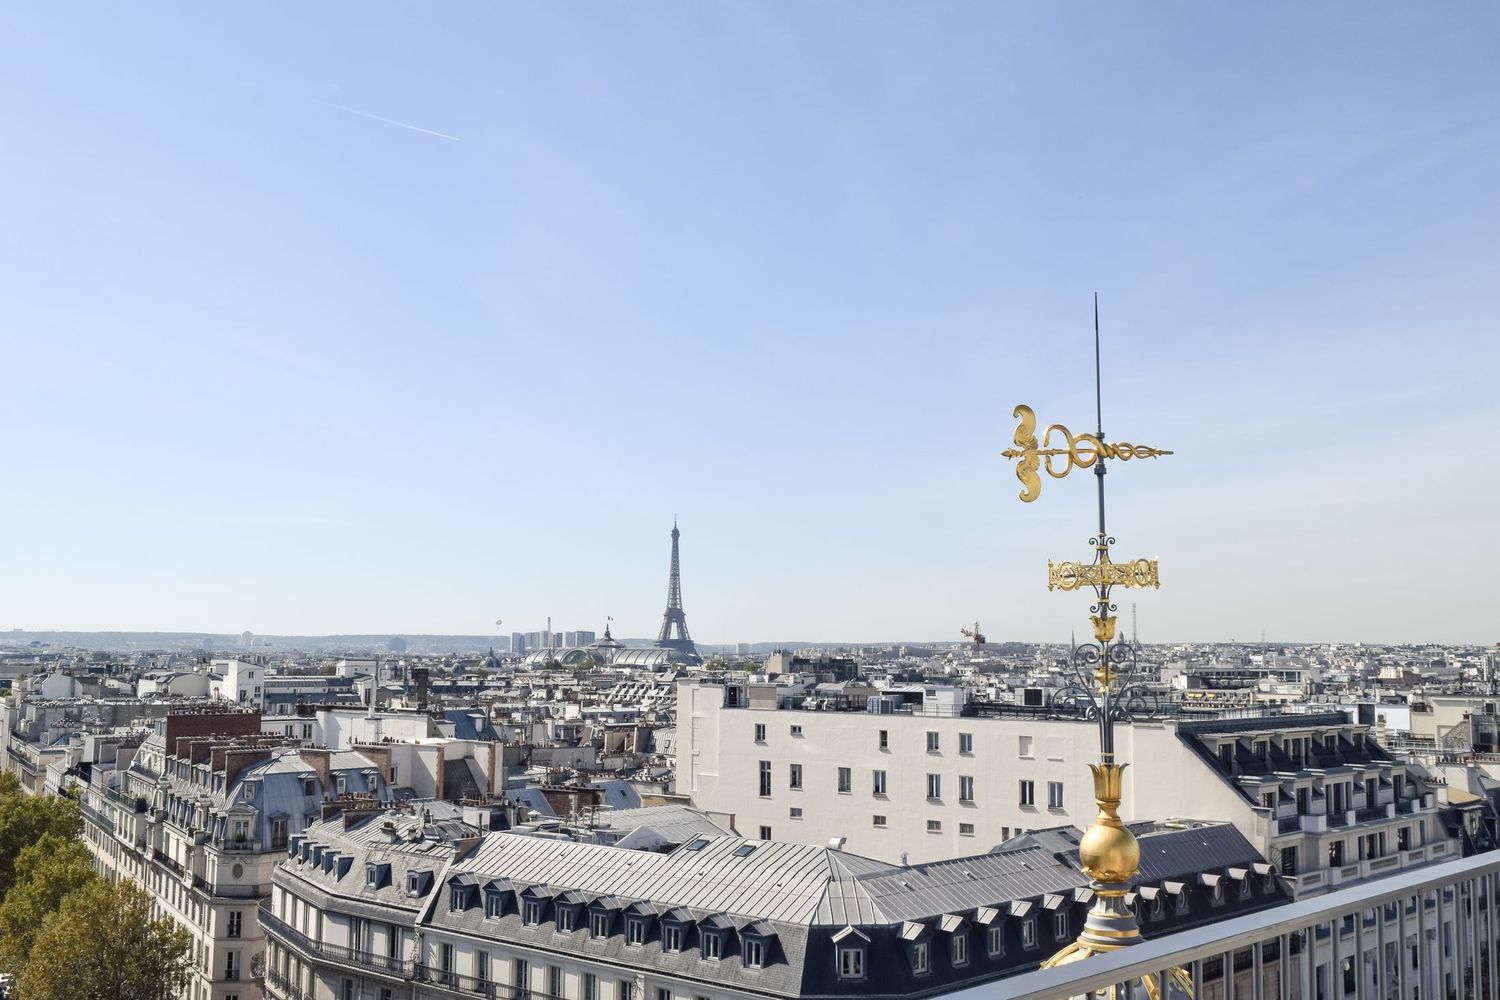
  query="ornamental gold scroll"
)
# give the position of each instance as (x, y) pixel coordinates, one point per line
(1134, 575)
(1060, 451)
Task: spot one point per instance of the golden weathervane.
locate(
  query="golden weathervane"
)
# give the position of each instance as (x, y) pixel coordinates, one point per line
(1103, 671)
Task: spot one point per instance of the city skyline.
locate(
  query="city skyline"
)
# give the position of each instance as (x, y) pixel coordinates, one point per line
(442, 321)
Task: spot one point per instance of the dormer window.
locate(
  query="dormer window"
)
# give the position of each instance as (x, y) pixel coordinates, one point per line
(754, 953)
(851, 961)
(635, 931)
(598, 924)
(532, 914)
(671, 938)
(494, 904)
(995, 938)
(960, 949)
(458, 898)
(921, 961)
(417, 883)
(1028, 933)
(372, 876)
(565, 918)
(712, 943)
(1060, 926)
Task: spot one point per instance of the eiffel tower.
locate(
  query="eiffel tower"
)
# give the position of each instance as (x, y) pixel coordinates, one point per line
(683, 643)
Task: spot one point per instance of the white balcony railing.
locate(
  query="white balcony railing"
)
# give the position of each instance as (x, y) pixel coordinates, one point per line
(1432, 932)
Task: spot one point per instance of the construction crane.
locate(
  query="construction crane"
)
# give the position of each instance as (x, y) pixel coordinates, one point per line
(974, 634)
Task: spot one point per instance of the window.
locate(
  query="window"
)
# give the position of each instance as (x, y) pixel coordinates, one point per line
(1403, 843)
(1336, 854)
(599, 925)
(879, 820)
(347, 990)
(879, 782)
(1028, 793)
(635, 931)
(278, 833)
(711, 945)
(624, 989)
(590, 986)
(234, 924)
(965, 788)
(565, 918)
(961, 948)
(885, 739)
(1289, 860)
(932, 742)
(1054, 795)
(1028, 933)
(760, 732)
(445, 961)
(554, 981)
(934, 786)
(846, 780)
(231, 965)
(934, 826)
(533, 912)
(754, 952)
(919, 958)
(796, 812)
(482, 966)
(663, 993)
(851, 962)
(494, 904)
(765, 834)
(996, 941)
(1025, 746)
(1060, 926)
(966, 829)
(795, 780)
(765, 779)
(796, 730)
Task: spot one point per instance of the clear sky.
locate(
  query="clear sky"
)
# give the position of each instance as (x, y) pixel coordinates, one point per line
(404, 318)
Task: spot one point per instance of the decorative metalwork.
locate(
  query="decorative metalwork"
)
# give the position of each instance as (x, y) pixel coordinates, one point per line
(1103, 680)
(1135, 575)
(1077, 451)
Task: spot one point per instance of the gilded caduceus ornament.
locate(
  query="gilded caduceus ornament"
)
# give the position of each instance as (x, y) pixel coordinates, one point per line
(1103, 671)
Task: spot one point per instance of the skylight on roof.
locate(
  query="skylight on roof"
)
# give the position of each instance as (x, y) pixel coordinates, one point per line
(744, 850)
(698, 844)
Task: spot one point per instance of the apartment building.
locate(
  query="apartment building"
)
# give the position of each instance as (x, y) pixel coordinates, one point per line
(200, 812)
(928, 776)
(374, 907)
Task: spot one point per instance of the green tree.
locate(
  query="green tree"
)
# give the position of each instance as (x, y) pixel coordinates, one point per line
(25, 819)
(104, 944)
(46, 873)
(10, 785)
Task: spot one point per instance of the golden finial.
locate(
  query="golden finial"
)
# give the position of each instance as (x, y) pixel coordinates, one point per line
(1108, 852)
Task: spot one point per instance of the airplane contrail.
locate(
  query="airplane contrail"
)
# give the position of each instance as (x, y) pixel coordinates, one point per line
(392, 121)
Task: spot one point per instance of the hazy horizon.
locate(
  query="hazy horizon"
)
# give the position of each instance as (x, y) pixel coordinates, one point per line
(359, 314)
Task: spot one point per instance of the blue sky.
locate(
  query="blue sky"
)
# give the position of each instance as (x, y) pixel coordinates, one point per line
(781, 270)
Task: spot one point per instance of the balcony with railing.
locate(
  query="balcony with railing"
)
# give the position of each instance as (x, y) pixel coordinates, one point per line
(1430, 932)
(351, 958)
